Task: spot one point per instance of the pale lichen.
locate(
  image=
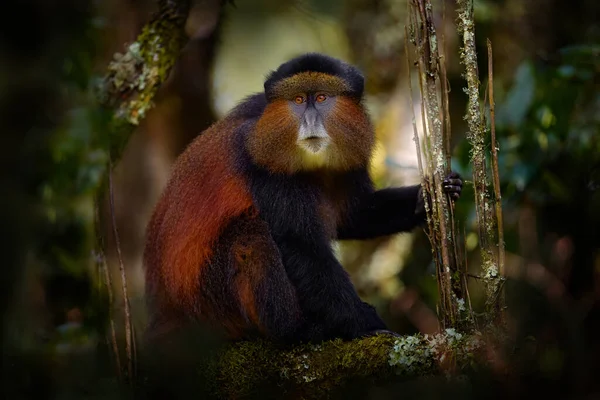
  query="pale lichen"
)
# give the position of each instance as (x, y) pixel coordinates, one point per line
(476, 136)
(133, 78)
(436, 134)
(315, 371)
(425, 354)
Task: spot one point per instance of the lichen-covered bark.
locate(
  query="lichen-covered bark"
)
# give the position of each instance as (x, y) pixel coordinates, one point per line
(476, 136)
(134, 77)
(441, 233)
(316, 371)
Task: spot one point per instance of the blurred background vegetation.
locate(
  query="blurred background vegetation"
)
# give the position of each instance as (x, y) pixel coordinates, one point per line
(547, 70)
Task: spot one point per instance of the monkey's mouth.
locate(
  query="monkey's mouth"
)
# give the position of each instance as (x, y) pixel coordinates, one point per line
(314, 143)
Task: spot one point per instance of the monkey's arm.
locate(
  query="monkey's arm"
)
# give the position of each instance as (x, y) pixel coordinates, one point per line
(383, 212)
(388, 211)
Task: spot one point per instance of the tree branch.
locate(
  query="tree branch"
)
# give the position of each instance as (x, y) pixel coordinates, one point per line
(133, 78)
(315, 371)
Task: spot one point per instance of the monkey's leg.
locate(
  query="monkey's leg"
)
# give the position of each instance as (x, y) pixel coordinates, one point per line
(255, 282)
(329, 302)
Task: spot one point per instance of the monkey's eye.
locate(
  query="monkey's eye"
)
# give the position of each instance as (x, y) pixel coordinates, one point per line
(299, 99)
(321, 98)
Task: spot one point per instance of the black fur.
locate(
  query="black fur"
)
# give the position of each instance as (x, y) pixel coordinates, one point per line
(276, 299)
(250, 108)
(288, 205)
(379, 213)
(329, 303)
(318, 63)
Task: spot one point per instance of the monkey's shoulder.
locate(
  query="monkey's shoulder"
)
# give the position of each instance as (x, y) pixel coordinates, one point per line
(251, 107)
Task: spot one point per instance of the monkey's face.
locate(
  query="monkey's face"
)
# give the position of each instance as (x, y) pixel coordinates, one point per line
(313, 124)
(311, 111)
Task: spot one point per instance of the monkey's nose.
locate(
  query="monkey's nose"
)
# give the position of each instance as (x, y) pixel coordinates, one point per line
(310, 117)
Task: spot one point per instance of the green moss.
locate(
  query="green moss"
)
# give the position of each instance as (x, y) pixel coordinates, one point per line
(316, 371)
(133, 78)
(313, 370)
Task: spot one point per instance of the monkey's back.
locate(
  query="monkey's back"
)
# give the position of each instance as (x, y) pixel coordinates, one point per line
(203, 195)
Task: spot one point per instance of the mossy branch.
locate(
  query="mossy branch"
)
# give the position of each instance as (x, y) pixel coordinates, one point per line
(134, 77)
(317, 371)
(126, 94)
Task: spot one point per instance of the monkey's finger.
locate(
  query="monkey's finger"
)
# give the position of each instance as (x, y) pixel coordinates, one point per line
(454, 195)
(453, 175)
(452, 188)
(453, 182)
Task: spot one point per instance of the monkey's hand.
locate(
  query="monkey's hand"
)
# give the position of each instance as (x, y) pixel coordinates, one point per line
(452, 185)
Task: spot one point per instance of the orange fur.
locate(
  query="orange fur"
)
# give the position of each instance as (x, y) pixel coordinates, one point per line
(203, 185)
(273, 141)
(273, 145)
(246, 292)
(250, 274)
(352, 134)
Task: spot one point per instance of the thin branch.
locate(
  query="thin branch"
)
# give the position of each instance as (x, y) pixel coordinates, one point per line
(128, 330)
(465, 264)
(477, 136)
(447, 133)
(495, 173)
(101, 259)
(417, 140)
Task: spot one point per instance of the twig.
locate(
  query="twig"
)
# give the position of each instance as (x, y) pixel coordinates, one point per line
(101, 259)
(466, 274)
(445, 90)
(495, 173)
(414, 121)
(128, 331)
